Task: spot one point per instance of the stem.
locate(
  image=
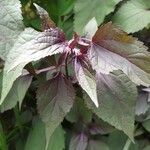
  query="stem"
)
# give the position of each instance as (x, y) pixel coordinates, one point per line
(45, 69)
(66, 66)
(127, 145)
(42, 70)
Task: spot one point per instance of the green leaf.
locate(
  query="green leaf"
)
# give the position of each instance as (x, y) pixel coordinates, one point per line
(146, 125)
(97, 145)
(117, 95)
(79, 112)
(55, 99)
(90, 29)
(57, 140)
(147, 147)
(86, 10)
(60, 7)
(37, 138)
(16, 93)
(133, 15)
(11, 25)
(119, 141)
(3, 142)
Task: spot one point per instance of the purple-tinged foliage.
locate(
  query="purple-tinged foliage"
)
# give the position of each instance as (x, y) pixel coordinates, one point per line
(93, 56)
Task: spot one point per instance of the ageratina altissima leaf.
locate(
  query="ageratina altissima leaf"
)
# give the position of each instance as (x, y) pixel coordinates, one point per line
(113, 49)
(30, 46)
(54, 100)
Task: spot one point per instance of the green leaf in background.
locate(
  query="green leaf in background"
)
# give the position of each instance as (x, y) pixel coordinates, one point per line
(57, 140)
(11, 25)
(133, 16)
(146, 125)
(79, 112)
(61, 7)
(37, 138)
(118, 141)
(147, 147)
(85, 10)
(3, 142)
(16, 93)
(117, 95)
(90, 29)
(67, 27)
(97, 145)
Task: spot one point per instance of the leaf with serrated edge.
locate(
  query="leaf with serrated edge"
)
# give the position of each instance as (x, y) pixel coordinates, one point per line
(133, 15)
(117, 96)
(30, 46)
(79, 112)
(85, 10)
(113, 49)
(86, 80)
(54, 100)
(16, 93)
(11, 25)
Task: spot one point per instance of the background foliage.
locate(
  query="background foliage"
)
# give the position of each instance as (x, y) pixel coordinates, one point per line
(115, 125)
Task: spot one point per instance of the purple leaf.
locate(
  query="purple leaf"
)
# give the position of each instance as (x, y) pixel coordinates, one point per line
(47, 43)
(55, 99)
(86, 80)
(113, 49)
(116, 96)
(78, 142)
